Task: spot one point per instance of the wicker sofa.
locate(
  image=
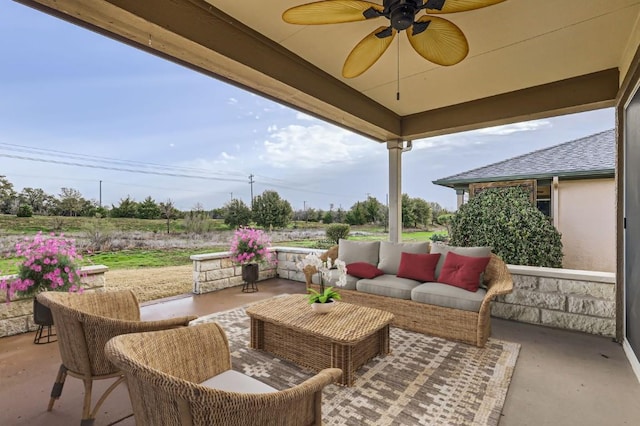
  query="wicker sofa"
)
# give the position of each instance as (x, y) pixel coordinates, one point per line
(470, 323)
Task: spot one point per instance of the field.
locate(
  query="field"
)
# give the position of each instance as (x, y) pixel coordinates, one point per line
(139, 243)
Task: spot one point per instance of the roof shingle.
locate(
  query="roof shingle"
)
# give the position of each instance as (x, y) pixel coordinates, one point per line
(594, 154)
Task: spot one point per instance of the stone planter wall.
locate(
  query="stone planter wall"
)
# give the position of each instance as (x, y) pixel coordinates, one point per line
(17, 317)
(215, 271)
(562, 298)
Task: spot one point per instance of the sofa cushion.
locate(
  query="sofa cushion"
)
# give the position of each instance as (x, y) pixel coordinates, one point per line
(358, 251)
(234, 381)
(334, 275)
(465, 251)
(448, 296)
(463, 271)
(390, 254)
(363, 270)
(418, 266)
(388, 285)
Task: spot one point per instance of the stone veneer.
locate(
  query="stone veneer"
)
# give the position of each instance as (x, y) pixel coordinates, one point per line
(562, 298)
(17, 316)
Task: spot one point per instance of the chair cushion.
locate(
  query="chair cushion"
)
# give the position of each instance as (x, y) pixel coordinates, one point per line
(463, 271)
(418, 266)
(465, 251)
(234, 381)
(363, 270)
(448, 296)
(390, 254)
(358, 251)
(388, 285)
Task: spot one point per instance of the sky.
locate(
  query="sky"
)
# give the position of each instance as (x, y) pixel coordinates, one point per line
(79, 110)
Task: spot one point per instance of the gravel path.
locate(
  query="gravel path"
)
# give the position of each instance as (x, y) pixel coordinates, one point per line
(153, 283)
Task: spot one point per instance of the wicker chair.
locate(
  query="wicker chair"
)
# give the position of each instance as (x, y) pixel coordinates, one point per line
(165, 371)
(84, 323)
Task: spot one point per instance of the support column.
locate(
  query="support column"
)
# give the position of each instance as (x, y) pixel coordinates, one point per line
(460, 194)
(395, 190)
(555, 201)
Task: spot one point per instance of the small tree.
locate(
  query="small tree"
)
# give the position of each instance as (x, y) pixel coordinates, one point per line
(336, 231)
(270, 211)
(236, 214)
(169, 212)
(24, 210)
(506, 220)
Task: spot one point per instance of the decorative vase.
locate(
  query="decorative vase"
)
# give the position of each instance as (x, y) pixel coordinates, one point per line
(250, 276)
(43, 317)
(41, 314)
(323, 308)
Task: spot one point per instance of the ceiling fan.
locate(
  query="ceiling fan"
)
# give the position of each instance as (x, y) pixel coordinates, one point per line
(435, 39)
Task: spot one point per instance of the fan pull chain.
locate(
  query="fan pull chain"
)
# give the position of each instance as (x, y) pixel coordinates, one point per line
(398, 70)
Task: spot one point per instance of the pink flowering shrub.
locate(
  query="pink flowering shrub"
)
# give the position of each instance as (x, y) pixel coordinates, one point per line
(48, 264)
(250, 245)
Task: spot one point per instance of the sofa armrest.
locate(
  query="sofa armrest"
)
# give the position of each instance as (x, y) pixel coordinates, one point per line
(499, 281)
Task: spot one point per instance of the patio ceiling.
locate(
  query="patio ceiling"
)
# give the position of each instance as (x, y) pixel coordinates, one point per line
(527, 59)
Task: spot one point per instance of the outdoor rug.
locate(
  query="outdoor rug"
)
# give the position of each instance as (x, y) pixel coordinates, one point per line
(424, 380)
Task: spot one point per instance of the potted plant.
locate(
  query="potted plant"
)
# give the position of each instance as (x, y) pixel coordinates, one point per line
(46, 264)
(249, 248)
(324, 300)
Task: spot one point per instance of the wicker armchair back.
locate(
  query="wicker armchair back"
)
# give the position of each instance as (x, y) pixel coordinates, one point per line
(84, 323)
(164, 369)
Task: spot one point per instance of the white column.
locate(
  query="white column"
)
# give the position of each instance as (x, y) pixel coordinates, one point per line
(395, 190)
(555, 201)
(460, 194)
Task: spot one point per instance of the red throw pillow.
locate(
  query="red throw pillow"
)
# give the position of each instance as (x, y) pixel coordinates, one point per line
(418, 266)
(463, 271)
(363, 270)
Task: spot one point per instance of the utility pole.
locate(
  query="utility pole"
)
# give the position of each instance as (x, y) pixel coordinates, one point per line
(231, 196)
(304, 208)
(251, 183)
(100, 193)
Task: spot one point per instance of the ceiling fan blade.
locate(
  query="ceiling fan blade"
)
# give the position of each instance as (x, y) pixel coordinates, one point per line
(440, 42)
(452, 6)
(367, 52)
(332, 12)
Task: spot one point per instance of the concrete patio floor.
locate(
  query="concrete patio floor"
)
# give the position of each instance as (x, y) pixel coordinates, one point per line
(561, 377)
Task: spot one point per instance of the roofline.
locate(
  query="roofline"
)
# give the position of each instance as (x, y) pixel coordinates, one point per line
(600, 173)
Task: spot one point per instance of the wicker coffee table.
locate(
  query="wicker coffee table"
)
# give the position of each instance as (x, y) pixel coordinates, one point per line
(347, 337)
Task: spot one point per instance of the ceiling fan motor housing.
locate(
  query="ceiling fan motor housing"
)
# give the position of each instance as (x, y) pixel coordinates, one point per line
(401, 13)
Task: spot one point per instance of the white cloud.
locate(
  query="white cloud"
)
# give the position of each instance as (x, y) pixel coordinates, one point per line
(226, 156)
(272, 128)
(304, 117)
(232, 101)
(316, 146)
(527, 126)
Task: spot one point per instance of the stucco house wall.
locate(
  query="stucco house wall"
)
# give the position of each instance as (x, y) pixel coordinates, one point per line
(586, 219)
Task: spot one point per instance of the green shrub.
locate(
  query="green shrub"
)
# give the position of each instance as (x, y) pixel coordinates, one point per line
(439, 237)
(506, 220)
(24, 210)
(336, 231)
(444, 219)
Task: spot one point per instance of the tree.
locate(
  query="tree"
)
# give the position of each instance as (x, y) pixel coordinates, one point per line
(355, 216)
(168, 211)
(128, 208)
(422, 212)
(436, 210)
(40, 201)
(506, 220)
(408, 212)
(71, 202)
(327, 218)
(148, 209)
(373, 210)
(236, 213)
(269, 210)
(7, 195)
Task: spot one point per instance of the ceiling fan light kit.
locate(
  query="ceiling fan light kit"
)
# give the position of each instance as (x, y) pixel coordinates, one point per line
(436, 39)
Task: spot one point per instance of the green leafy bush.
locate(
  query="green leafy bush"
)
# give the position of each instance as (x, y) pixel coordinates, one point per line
(24, 210)
(505, 219)
(336, 231)
(439, 237)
